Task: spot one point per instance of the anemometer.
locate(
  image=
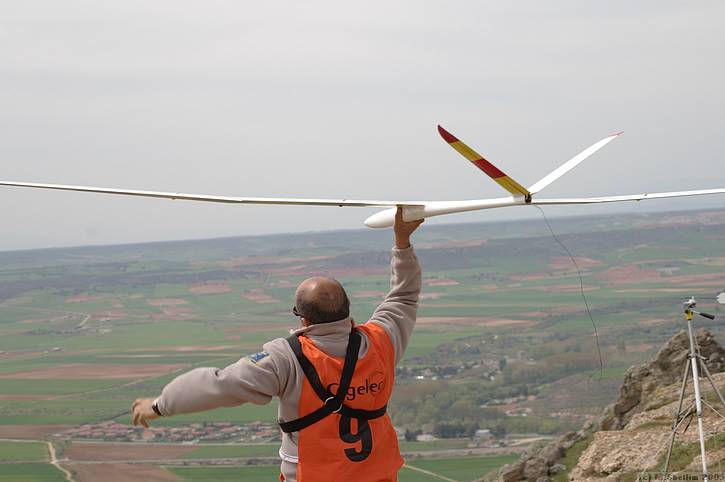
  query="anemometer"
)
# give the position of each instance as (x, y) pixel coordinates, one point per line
(694, 363)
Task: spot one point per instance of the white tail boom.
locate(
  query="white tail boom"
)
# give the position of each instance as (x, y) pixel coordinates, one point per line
(412, 210)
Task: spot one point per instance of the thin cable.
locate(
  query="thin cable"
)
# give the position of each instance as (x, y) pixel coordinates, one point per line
(581, 289)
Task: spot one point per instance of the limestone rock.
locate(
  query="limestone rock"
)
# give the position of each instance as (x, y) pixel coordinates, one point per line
(540, 462)
(641, 382)
(644, 439)
(535, 468)
(511, 472)
(634, 431)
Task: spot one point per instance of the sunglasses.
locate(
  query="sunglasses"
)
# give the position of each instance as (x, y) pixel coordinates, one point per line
(296, 313)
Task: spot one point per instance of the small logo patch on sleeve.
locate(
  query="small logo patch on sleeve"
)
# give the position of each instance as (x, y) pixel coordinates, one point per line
(257, 357)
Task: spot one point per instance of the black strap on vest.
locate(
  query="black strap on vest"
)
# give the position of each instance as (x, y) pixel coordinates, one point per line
(331, 403)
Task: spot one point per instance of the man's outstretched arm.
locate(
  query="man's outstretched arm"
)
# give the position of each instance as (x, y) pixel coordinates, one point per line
(254, 379)
(398, 312)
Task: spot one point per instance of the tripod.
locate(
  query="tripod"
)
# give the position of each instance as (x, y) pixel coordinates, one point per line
(694, 362)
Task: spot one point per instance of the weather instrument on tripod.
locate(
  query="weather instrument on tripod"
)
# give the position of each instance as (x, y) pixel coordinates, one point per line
(695, 362)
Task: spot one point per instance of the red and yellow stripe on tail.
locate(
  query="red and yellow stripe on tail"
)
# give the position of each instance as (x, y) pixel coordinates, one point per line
(493, 172)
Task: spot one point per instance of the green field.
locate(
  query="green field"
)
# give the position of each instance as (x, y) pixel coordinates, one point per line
(227, 474)
(442, 444)
(464, 469)
(30, 473)
(26, 451)
(54, 386)
(460, 469)
(63, 411)
(427, 340)
(79, 411)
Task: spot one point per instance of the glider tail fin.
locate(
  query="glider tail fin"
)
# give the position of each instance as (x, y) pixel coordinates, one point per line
(571, 163)
(478, 160)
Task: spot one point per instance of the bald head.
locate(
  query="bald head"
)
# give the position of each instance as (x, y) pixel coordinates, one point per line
(322, 300)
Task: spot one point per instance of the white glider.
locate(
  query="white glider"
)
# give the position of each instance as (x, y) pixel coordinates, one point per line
(412, 210)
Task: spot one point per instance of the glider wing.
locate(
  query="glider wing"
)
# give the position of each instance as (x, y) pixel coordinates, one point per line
(216, 199)
(628, 197)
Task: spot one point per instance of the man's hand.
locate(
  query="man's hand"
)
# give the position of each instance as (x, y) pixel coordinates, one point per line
(403, 229)
(142, 411)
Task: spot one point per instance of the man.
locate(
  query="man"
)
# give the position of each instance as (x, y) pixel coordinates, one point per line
(333, 378)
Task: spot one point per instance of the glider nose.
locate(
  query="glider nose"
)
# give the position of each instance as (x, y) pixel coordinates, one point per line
(382, 219)
(385, 219)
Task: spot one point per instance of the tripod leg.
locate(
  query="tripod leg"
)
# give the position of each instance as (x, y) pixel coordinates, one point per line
(712, 383)
(676, 423)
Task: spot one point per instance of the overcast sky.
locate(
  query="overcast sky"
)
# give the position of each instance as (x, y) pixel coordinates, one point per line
(341, 99)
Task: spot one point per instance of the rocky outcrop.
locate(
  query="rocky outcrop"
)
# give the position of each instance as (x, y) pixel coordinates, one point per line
(640, 382)
(642, 442)
(541, 463)
(633, 433)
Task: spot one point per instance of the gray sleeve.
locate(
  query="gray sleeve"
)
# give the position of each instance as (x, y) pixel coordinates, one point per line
(254, 379)
(398, 312)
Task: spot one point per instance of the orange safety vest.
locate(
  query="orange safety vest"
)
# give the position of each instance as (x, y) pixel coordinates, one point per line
(346, 435)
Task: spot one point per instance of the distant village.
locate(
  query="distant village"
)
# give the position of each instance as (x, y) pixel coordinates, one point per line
(225, 432)
(109, 431)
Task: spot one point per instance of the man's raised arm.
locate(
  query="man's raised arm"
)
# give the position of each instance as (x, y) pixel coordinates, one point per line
(397, 313)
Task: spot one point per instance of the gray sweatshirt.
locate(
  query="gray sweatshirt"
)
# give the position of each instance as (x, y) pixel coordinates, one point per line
(275, 371)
